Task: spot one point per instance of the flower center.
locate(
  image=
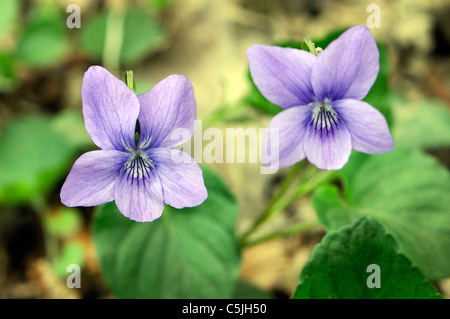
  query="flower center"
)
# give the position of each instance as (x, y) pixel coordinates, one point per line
(323, 116)
(138, 165)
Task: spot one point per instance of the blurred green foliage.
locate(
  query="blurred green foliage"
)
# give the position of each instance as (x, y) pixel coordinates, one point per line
(159, 4)
(72, 252)
(134, 43)
(42, 39)
(8, 75)
(70, 126)
(424, 124)
(33, 157)
(66, 222)
(9, 12)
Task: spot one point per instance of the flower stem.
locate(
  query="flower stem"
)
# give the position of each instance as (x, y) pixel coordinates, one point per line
(130, 80)
(294, 229)
(310, 45)
(113, 39)
(318, 178)
(281, 201)
(270, 209)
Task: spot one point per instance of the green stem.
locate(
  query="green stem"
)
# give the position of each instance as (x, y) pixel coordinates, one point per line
(113, 40)
(130, 80)
(294, 229)
(280, 202)
(311, 46)
(287, 182)
(316, 180)
(269, 211)
(305, 188)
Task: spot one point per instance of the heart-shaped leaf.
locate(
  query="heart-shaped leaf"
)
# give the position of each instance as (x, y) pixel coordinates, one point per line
(408, 192)
(361, 262)
(187, 253)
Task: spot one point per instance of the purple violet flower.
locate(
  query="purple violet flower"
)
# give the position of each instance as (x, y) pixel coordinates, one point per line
(324, 117)
(140, 176)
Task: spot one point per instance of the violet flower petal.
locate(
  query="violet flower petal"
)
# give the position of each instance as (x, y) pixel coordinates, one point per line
(181, 177)
(328, 149)
(92, 178)
(291, 127)
(348, 66)
(139, 198)
(282, 74)
(110, 110)
(168, 106)
(368, 127)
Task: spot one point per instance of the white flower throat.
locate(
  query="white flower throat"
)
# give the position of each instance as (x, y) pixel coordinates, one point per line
(323, 116)
(138, 164)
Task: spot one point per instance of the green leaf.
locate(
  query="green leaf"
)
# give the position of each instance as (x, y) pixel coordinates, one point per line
(348, 172)
(9, 11)
(44, 41)
(65, 222)
(339, 267)
(141, 35)
(70, 125)
(33, 157)
(8, 78)
(408, 192)
(72, 252)
(330, 208)
(187, 253)
(425, 124)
